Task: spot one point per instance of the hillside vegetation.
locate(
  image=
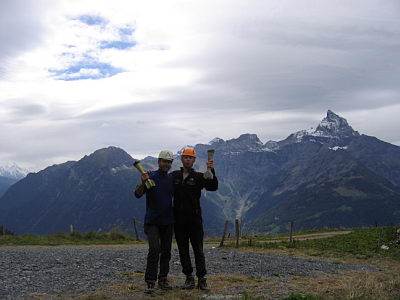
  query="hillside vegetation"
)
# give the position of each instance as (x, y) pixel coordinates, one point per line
(75, 238)
(361, 243)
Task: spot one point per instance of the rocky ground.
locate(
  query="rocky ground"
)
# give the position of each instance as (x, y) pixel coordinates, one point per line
(28, 272)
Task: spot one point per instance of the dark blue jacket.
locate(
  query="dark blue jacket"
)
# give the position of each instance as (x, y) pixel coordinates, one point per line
(159, 209)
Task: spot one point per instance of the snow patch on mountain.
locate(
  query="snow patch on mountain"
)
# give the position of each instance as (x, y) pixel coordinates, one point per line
(331, 128)
(334, 126)
(12, 170)
(271, 146)
(338, 148)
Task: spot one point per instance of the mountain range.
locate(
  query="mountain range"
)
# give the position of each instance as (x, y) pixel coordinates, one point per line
(330, 176)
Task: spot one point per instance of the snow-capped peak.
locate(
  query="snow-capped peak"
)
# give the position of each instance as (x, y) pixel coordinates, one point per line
(12, 170)
(215, 140)
(332, 127)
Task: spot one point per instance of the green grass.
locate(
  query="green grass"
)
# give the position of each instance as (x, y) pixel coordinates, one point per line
(75, 238)
(362, 243)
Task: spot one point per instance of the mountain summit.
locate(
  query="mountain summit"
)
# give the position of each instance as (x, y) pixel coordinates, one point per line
(333, 130)
(108, 158)
(334, 126)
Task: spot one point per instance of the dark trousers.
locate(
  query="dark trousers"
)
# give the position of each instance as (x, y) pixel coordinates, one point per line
(160, 240)
(191, 229)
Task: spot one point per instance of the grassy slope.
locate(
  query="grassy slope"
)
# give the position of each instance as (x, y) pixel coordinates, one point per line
(89, 238)
(362, 242)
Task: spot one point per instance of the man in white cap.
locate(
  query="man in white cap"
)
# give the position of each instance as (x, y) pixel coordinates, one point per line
(159, 220)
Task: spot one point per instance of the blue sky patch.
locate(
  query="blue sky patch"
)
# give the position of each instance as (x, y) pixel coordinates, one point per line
(86, 63)
(86, 70)
(92, 20)
(121, 45)
(126, 31)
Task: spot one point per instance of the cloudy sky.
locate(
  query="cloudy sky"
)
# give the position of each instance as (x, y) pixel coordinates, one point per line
(76, 76)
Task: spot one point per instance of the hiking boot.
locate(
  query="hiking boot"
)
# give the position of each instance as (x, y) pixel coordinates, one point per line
(150, 284)
(202, 284)
(189, 283)
(163, 284)
(150, 287)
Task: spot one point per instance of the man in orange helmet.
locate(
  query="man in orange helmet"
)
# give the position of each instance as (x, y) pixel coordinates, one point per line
(188, 184)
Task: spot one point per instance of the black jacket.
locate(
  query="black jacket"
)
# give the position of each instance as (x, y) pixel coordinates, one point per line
(187, 192)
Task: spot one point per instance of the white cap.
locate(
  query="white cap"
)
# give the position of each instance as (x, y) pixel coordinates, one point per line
(166, 154)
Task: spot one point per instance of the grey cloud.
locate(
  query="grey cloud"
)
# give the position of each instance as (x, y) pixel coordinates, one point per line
(310, 57)
(20, 27)
(295, 61)
(19, 110)
(28, 110)
(57, 141)
(283, 85)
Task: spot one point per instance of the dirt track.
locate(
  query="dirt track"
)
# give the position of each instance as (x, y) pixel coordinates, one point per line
(313, 236)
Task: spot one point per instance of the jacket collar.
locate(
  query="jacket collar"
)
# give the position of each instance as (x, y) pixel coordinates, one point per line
(161, 172)
(190, 171)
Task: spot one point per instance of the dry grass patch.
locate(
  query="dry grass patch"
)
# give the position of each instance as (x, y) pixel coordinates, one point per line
(95, 296)
(227, 286)
(360, 285)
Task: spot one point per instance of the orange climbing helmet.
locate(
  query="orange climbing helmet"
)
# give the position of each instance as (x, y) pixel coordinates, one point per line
(188, 152)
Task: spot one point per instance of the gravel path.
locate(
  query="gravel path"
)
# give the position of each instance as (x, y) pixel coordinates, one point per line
(26, 270)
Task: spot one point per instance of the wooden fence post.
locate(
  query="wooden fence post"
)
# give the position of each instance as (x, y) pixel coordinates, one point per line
(237, 232)
(136, 232)
(291, 233)
(379, 241)
(223, 235)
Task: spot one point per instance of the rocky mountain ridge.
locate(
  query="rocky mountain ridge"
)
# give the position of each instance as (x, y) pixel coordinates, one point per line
(330, 176)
